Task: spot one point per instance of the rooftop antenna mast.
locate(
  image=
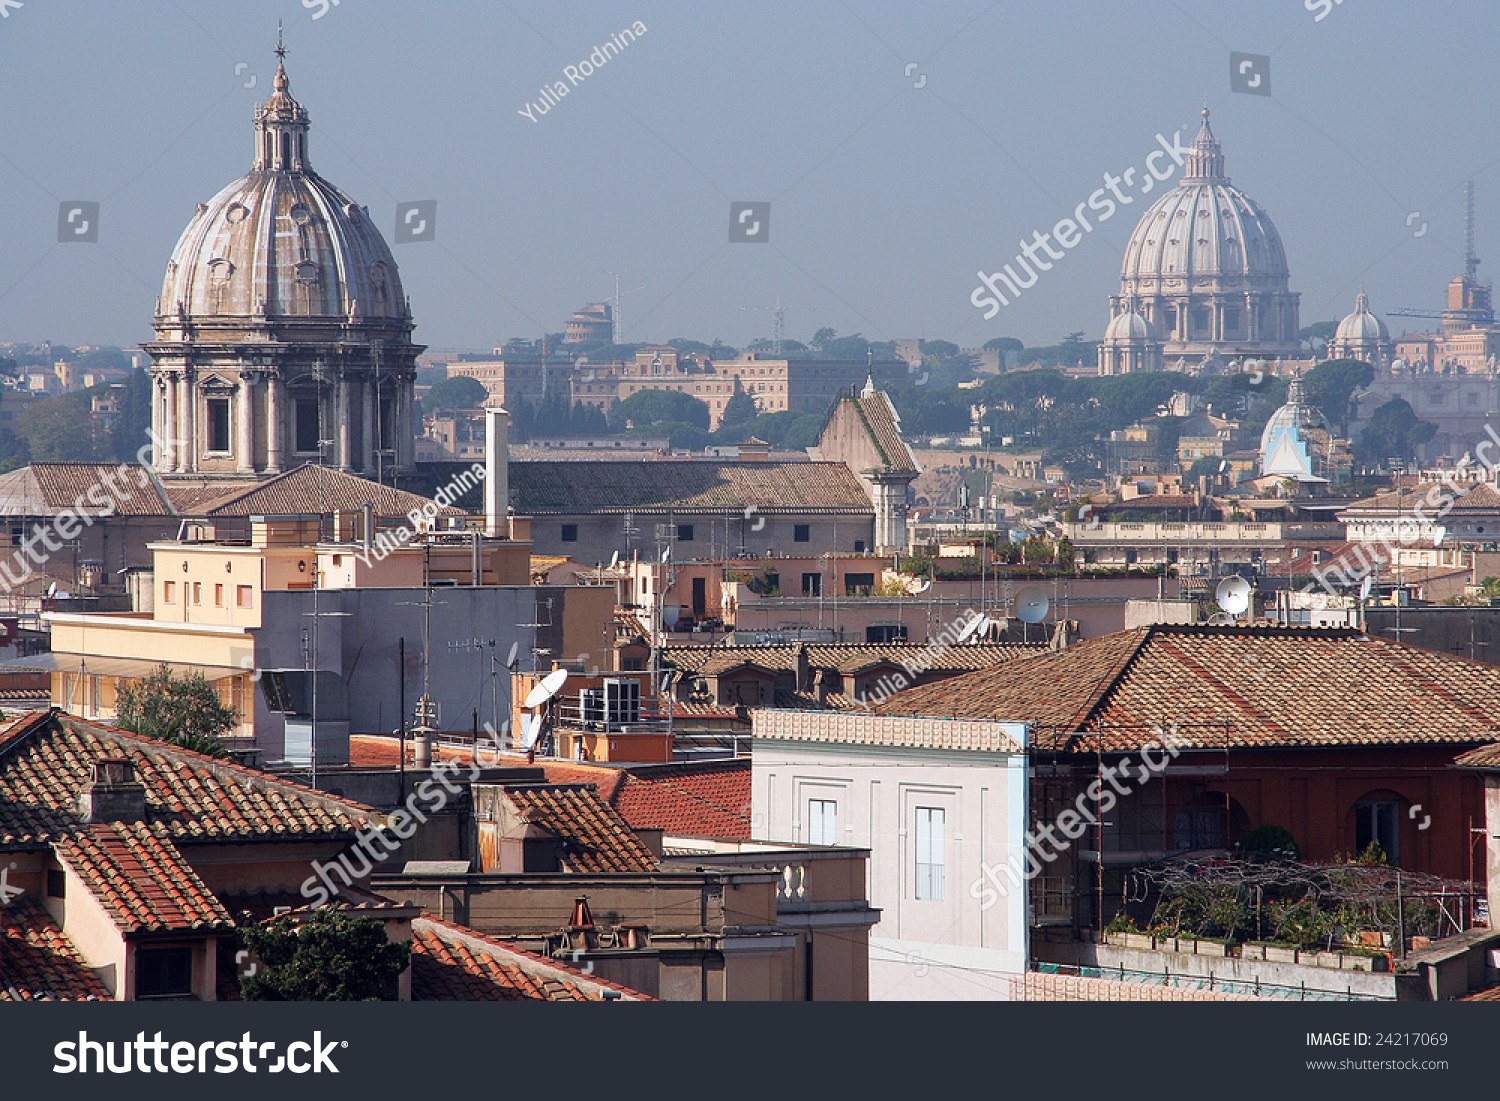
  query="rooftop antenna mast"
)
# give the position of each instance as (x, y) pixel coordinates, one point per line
(615, 304)
(1471, 262)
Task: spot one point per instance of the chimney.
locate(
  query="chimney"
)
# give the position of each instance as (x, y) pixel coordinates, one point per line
(113, 794)
(496, 471)
(804, 669)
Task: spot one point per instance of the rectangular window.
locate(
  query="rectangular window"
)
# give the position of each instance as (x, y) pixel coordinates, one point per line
(930, 830)
(242, 597)
(218, 596)
(822, 822)
(1378, 821)
(859, 546)
(881, 634)
(802, 533)
(96, 695)
(218, 424)
(163, 972)
(684, 533)
(197, 592)
(570, 533)
(812, 584)
(57, 883)
(307, 425)
(169, 592)
(856, 584)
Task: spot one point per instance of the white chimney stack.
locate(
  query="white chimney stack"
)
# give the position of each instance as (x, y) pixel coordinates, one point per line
(496, 471)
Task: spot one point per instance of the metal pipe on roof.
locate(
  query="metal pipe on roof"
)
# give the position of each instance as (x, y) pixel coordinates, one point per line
(496, 470)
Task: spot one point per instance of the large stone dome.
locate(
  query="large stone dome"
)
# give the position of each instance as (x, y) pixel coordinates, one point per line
(282, 334)
(1208, 270)
(281, 241)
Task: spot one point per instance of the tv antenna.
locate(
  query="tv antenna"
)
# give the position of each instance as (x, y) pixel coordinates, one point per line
(614, 301)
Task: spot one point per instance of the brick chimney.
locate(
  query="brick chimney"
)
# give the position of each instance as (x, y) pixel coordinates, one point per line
(113, 794)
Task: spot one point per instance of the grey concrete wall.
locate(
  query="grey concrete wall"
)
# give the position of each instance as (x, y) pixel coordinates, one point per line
(363, 645)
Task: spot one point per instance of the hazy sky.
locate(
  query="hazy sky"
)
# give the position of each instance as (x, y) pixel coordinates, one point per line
(886, 197)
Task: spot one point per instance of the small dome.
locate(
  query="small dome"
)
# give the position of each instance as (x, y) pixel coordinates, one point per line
(1361, 325)
(1129, 326)
(1296, 439)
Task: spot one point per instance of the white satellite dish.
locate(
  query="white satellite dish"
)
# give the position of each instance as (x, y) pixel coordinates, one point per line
(532, 732)
(1365, 586)
(969, 628)
(614, 559)
(666, 553)
(1439, 533)
(1223, 465)
(1233, 595)
(510, 658)
(1032, 603)
(546, 688)
(923, 587)
(52, 589)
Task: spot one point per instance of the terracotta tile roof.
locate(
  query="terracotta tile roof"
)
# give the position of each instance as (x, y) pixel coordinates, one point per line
(845, 657)
(42, 489)
(1486, 757)
(189, 499)
(597, 838)
(569, 488)
(311, 489)
(811, 701)
(1474, 496)
(1249, 687)
(903, 731)
(451, 963)
(140, 879)
(38, 963)
(46, 759)
(884, 425)
(703, 798)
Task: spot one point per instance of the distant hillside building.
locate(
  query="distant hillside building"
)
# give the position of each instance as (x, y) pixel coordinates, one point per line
(592, 322)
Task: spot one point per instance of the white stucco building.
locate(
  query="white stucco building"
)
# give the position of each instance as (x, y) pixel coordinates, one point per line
(935, 801)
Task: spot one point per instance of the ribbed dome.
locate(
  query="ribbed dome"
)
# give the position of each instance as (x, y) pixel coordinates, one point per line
(1129, 325)
(1203, 226)
(1361, 324)
(282, 241)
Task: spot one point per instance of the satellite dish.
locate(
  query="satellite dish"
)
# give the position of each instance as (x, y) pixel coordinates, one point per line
(52, 589)
(666, 553)
(1223, 465)
(1032, 603)
(923, 587)
(969, 628)
(510, 659)
(1233, 595)
(532, 732)
(546, 688)
(670, 615)
(1439, 533)
(1365, 586)
(614, 559)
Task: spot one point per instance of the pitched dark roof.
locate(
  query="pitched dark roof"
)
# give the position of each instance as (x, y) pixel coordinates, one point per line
(452, 963)
(38, 963)
(43, 489)
(597, 838)
(846, 657)
(1247, 687)
(314, 489)
(884, 425)
(46, 759)
(140, 879)
(685, 486)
